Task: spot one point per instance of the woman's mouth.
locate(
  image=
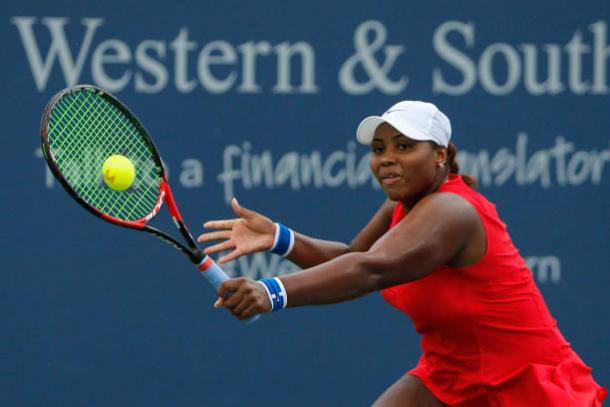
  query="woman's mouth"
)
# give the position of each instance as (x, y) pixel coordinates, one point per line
(390, 179)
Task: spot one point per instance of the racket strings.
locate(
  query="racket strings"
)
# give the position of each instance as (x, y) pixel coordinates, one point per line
(85, 129)
(113, 125)
(118, 206)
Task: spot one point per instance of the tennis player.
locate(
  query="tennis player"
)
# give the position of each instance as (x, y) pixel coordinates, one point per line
(438, 251)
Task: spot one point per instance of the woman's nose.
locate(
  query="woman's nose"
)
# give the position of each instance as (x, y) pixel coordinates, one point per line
(388, 159)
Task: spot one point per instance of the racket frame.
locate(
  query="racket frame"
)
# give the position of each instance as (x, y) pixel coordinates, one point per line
(191, 250)
(208, 268)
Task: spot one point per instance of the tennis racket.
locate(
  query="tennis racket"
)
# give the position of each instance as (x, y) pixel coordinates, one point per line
(81, 127)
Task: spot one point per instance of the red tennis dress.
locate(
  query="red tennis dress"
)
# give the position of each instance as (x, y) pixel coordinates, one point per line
(488, 338)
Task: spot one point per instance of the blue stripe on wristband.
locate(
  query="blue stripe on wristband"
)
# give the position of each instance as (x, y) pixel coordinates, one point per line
(276, 291)
(272, 293)
(283, 292)
(276, 294)
(284, 240)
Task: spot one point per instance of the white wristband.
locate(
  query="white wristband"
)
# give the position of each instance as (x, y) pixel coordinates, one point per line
(283, 243)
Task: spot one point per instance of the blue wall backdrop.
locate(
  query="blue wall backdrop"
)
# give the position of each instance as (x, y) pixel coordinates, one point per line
(260, 100)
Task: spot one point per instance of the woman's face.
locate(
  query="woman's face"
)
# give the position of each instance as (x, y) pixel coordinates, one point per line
(405, 168)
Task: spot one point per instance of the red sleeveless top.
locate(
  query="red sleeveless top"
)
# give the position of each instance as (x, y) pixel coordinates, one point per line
(488, 338)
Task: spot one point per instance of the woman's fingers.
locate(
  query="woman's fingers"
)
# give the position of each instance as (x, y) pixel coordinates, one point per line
(241, 211)
(226, 245)
(250, 312)
(220, 302)
(230, 257)
(245, 303)
(229, 286)
(243, 297)
(219, 235)
(220, 224)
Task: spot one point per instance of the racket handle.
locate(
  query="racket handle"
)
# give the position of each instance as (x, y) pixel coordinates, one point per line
(216, 276)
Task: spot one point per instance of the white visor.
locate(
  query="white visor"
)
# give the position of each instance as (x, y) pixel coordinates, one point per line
(417, 120)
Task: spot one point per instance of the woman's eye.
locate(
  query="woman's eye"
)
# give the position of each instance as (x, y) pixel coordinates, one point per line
(377, 150)
(404, 146)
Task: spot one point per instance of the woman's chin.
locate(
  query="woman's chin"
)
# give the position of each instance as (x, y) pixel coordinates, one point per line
(394, 195)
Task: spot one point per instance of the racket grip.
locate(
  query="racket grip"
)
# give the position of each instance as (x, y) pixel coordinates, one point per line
(216, 276)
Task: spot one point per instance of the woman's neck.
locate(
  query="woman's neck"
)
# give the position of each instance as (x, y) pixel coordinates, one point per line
(439, 179)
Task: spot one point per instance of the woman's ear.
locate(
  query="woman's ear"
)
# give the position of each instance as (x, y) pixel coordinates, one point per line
(441, 156)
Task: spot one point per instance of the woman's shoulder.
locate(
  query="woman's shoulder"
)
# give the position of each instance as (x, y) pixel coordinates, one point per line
(456, 185)
(446, 206)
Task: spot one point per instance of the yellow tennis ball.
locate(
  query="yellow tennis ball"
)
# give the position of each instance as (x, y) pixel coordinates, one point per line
(118, 172)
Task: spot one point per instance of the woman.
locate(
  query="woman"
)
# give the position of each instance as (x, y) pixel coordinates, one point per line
(438, 251)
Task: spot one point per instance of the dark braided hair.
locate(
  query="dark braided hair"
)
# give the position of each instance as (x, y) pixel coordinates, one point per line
(454, 167)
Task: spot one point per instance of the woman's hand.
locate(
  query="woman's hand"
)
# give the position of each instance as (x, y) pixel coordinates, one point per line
(250, 233)
(243, 297)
